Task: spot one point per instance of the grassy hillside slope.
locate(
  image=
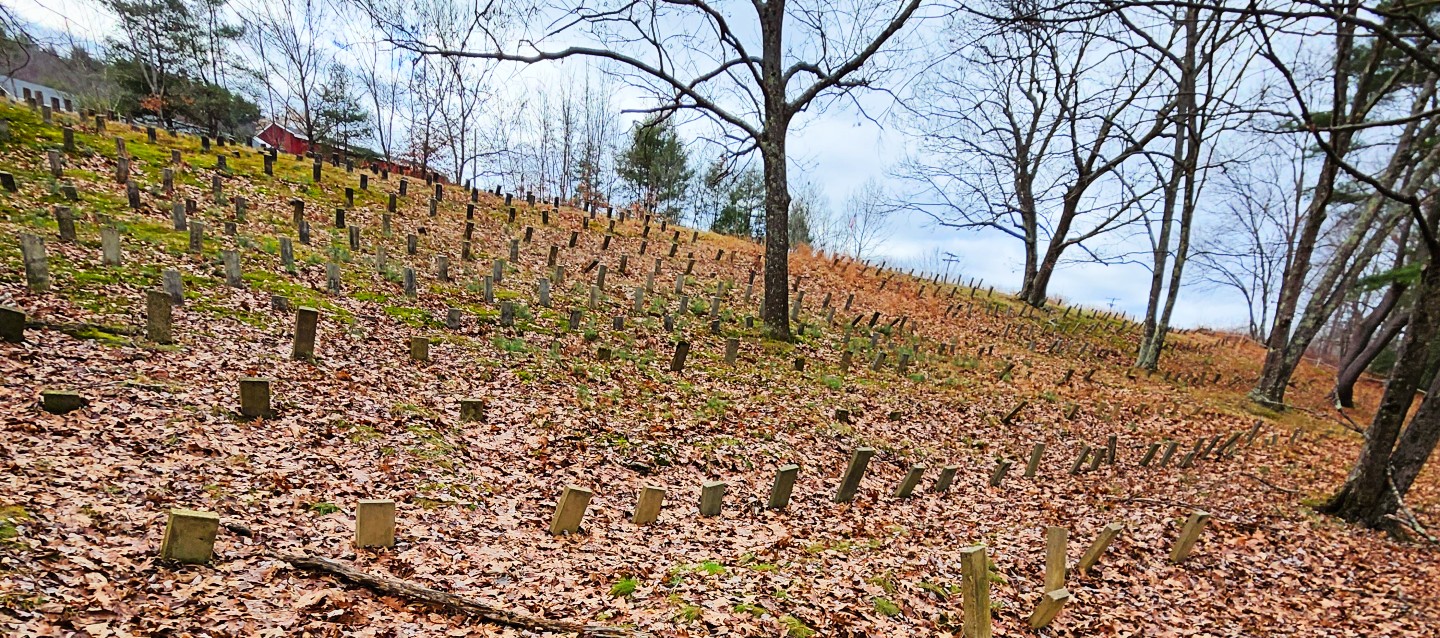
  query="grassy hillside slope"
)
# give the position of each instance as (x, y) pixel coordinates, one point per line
(83, 496)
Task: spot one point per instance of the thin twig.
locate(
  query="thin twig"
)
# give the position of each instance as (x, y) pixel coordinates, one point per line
(1269, 484)
(1413, 523)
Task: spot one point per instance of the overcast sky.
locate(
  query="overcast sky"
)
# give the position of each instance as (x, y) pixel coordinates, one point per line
(839, 150)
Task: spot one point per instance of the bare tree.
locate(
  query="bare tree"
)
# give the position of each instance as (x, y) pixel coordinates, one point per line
(1376, 324)
(752, 78)
(865, 224)
(1246, 238)
(290, 60)
(386, 95)
(1029, 129)
(1208, 67)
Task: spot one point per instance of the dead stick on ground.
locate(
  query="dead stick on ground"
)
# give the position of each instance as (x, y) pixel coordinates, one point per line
(1413, 523)
(452, 602)
(1269, 484)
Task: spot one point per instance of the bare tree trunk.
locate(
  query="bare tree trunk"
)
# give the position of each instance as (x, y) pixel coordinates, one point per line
(1036, 290)
(1274, 376)
(1359, 361)
(1366, 497)
(776, 308)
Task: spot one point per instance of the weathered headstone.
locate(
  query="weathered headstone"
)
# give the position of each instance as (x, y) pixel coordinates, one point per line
(472, 409)
(177, 216)
(1097, 549)
(306, 321)
(231, 259)
(197, 237)
(57, 164)
(947, 477)
(1036, 453)
(255, 397)
(12, 324)
(850, 483)
(677, 362)
(1001, 467)
(1188, 535)
(570, 510)
(784, 484)
(712, 496)
(1080, 459)
(189, 536)
(1050, 605)
(647, 506)
(912, 479)
(287, 254)
(1149, 455)
(1169, 452)
(975, 592)
(62, 401)
(375, 523)
(37, 265)
(1055, 557)
(158, 311)
(65, 222)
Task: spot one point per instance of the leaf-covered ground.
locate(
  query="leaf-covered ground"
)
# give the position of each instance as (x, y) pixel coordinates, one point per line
(83, 496)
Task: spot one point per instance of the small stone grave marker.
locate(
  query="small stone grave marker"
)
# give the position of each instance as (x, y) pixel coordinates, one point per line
(189, 536)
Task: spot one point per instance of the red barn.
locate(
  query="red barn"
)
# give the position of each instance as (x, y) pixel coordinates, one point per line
(284, 139)
(288, 141)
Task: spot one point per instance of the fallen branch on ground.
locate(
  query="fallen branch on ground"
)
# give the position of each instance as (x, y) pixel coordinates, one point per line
(451, 602)
(1269, 484)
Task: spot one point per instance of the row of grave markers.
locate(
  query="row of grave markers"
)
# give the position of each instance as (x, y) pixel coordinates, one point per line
(190, 538)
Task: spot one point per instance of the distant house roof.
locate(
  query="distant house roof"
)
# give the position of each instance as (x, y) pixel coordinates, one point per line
(15, 88)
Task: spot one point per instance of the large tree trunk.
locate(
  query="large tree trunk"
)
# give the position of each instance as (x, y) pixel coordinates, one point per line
(1366, 497)
(776, 308)
(1036, 290)
(1270, 387)
(1348, 262)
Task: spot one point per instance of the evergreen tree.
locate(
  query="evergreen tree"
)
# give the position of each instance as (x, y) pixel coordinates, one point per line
(744, 211)
(167, 60)
(657, 167)
(801, 213)
(339, 118)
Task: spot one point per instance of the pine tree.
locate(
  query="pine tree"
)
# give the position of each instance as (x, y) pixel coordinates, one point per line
(656, 166)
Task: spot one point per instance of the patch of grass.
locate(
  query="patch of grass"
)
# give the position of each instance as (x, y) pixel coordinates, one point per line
(689, 613)
(506, 344)
(884, 607)
(711, 567)
(796, 628)
(415, 317)
(323, 508)
(939, 590)
(431, 445)
(716, 406)
(833, 382)
(750, 608)
(883, 582)
(11, 516)
(624, 587)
